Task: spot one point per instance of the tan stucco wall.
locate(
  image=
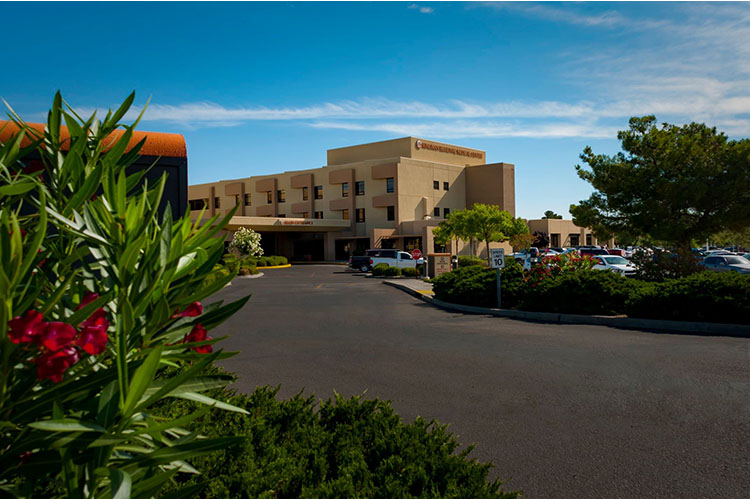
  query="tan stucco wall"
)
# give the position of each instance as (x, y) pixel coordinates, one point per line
(414, 169)
(492, 184)
(564, 228)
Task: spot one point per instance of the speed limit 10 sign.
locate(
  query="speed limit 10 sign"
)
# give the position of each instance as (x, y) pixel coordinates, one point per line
(497, 257)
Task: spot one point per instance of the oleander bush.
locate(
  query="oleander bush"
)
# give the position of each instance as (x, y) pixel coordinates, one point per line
(98, 292)
(247, 270)
(705, 296)
(379, 269)
(337, 448)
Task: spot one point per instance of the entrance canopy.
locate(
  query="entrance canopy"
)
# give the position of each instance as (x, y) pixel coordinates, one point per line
(264, 224)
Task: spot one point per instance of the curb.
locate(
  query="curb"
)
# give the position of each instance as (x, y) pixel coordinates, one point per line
(724, 329)
(248, 277)
(275, 267)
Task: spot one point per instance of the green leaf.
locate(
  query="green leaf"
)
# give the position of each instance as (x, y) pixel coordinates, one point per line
(66, 425)
(16, 188)
(181, 452)
(121, 483)
(200, 398)
(142, 379)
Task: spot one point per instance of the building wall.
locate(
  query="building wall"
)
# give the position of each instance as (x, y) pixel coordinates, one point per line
(565, 228)
(413, 163)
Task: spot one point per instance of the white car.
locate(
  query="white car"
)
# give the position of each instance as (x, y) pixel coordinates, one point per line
(614, 263)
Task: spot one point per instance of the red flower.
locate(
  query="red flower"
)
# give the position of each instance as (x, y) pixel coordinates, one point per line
(193, 310)
(93, 336)
(57, 335)
(52, 365)
(88, 298)
(26, 329)
(199, 334)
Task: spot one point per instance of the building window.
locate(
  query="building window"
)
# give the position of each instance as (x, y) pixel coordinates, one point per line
(237, 199)
(389, 185)
(445, 186)
(318, 215)
(217, 202)
(436, 211)
(588, 239)
(345, 214)
(281, 216)
(305, 193)
(318, 192)
(269, 196)
(446, 211)
(360, 215)
(359, 188)
(554, 239)
(280, 196)
(435, 184)
(574, 239)
(248, 199)
(198, 204)
(345, 190)
(305, 215)
(390, 212)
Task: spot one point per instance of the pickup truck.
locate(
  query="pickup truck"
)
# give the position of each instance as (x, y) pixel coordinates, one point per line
(392, 257)
(527, 257)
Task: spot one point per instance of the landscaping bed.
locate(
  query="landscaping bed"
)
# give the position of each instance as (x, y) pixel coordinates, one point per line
(704, 296)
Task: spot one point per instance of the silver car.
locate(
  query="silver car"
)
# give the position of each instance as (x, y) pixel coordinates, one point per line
(724, 263)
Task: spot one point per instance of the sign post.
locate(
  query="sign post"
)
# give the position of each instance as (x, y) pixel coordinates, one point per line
(497, 259)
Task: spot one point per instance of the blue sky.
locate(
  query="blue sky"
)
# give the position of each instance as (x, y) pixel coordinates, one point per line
(258, 88)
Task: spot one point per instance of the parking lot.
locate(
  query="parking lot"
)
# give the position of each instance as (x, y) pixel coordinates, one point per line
(562, 410)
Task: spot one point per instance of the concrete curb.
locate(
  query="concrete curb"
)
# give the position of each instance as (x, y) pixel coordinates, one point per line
(249, 277)
(275, 267)
(725, 329)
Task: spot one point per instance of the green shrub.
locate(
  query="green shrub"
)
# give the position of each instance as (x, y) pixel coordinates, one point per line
(471, 260)
(392, 271)
(248, 270)
(280, 260)
(580, 292)
(472, 285)
(379, 269)
(409, 271)
(337, 448)
(705, 296)
(271, 260)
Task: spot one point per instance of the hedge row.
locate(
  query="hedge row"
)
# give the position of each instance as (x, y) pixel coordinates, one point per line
(705, 296)
(383, 269)
(351, 448)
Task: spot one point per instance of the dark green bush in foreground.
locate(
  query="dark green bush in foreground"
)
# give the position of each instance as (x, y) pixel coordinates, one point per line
(409, 271)
(391, 271)
(705, 296)
(344, 448)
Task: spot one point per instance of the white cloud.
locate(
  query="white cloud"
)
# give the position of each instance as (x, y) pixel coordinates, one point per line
(422, 9)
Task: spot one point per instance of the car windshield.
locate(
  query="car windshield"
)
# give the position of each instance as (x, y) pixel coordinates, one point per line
(736, 259)
(615, 259)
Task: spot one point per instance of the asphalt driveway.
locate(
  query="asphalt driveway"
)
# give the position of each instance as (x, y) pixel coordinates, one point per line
(561, 410)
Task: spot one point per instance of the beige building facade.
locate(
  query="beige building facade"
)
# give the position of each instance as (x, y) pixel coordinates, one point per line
(388, 194)
(564, 233)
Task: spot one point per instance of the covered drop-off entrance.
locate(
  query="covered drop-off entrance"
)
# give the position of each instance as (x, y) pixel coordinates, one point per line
(295, 238)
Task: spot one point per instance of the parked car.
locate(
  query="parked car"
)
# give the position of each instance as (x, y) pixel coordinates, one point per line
(557, 249)
(527, 257)
(592, 251)
(390, 256)
(725, 263)
(617, 251)
(747, 256)
(616, 264)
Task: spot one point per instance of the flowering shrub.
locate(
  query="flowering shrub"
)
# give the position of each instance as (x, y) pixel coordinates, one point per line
(99, 291)
(246, 242)
(556, 265)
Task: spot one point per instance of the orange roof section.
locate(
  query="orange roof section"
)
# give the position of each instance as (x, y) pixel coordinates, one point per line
(157, 143)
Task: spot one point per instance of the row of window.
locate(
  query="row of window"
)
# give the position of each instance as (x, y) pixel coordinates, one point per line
(436, 185)
(436, 212)
(359, 190)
